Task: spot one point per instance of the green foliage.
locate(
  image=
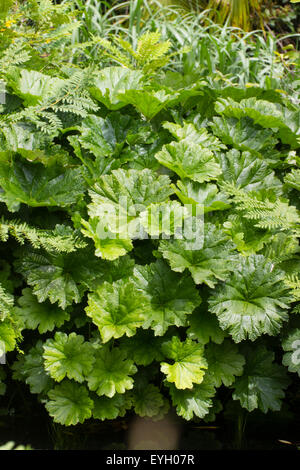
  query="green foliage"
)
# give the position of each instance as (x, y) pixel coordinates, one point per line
(119, 203)
(190, 161)
(43, 316)
(224, 363)
(293, 179)
(29, 27)
(205, 327)
(30, 369)
(111, 85)
(143, 347)
(111, 373)
(253, 301)
(169, 297)
(61, 278)
(263, 382)
(264, 113)
(241, 13)
(196, 402)
(7, 302)
(116, 309)
(248, 172)
(157, 218)
(188, 365)
(206, 196)
(216, 51)
(265, 209)
(206, 265)
(10, 333)
(61, 239)
(111, 408)
(68, 356)
(150, 53)
(38, 186)
(291, 344)
(148, 400)
(69, 403)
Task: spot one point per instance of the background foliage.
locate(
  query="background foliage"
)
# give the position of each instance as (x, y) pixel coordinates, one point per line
(102, 106)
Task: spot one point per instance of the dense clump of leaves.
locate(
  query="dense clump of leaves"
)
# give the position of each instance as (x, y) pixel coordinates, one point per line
(149, 236)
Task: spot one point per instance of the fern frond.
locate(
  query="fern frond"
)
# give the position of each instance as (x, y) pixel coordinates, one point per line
(127, 47)
(296, 309)
(282, 248)
(72, 97)
(6, 303)
(277, 215)
(61, 239)
(149, 55)
(16, 54)
(293, 282)
(149, 48)
(268, 214)
(114, 53)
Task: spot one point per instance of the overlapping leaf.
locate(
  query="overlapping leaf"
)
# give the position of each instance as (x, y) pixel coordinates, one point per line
(205, 194)
(118, 200)
(111, 373)
(163, 218)
(254, 300)
(264, 113)
(69, 403)
(224, 363)
(242, 134)
(108, 245)
(169, 296)
(204, 327)
(247, 171)
(111, 408)
(248, 238)
(189, 133)
(143, 348)
(30, 368)
(58, 277)
(190, 161)
(148, 401)
(43, 316)
(205, 264)
(291, 346)
(117, 309)
(37, 186)
(193, 403)
(149, 103)
(32, 86)
(112, 83)
(68, 356)
(189, 362)
(263, 381)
